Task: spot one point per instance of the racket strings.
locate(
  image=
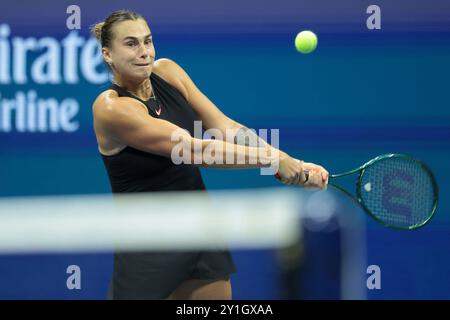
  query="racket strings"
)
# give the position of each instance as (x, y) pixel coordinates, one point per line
(398, 191)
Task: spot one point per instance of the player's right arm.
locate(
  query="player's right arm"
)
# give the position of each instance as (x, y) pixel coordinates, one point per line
(126, 121)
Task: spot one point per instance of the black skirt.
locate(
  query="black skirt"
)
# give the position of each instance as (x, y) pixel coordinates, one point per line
(156, 274)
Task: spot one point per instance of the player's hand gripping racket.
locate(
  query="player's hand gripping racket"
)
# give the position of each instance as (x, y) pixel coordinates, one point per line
(396, 190)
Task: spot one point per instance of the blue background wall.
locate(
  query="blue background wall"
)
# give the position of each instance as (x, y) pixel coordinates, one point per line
(361, 93)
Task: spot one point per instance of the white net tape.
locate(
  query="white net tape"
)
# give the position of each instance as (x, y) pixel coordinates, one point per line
(156, 221)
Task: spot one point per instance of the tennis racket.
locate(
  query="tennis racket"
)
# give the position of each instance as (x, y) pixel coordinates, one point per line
(396, 190)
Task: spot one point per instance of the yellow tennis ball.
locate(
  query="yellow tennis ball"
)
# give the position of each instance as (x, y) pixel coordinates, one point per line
(306, 41)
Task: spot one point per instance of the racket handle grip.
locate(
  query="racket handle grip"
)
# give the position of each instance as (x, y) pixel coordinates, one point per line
(306, 172)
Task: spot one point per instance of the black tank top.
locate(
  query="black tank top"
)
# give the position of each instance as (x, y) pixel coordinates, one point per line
(133, 170)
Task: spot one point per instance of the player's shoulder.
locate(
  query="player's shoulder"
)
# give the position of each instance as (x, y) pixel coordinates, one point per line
(109, 105)
(171, 72)
(164, 65)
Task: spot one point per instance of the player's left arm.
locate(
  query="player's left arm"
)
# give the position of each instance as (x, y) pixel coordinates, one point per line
(212, 117)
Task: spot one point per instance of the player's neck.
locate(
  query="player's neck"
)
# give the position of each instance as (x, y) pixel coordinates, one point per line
(141, 89)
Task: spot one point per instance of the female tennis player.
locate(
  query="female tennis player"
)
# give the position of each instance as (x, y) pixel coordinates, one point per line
(135, 120)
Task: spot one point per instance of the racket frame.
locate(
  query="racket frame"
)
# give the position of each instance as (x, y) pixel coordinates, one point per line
(360, 201)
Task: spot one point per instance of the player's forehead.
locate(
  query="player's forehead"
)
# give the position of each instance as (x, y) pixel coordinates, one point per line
(131, 28)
